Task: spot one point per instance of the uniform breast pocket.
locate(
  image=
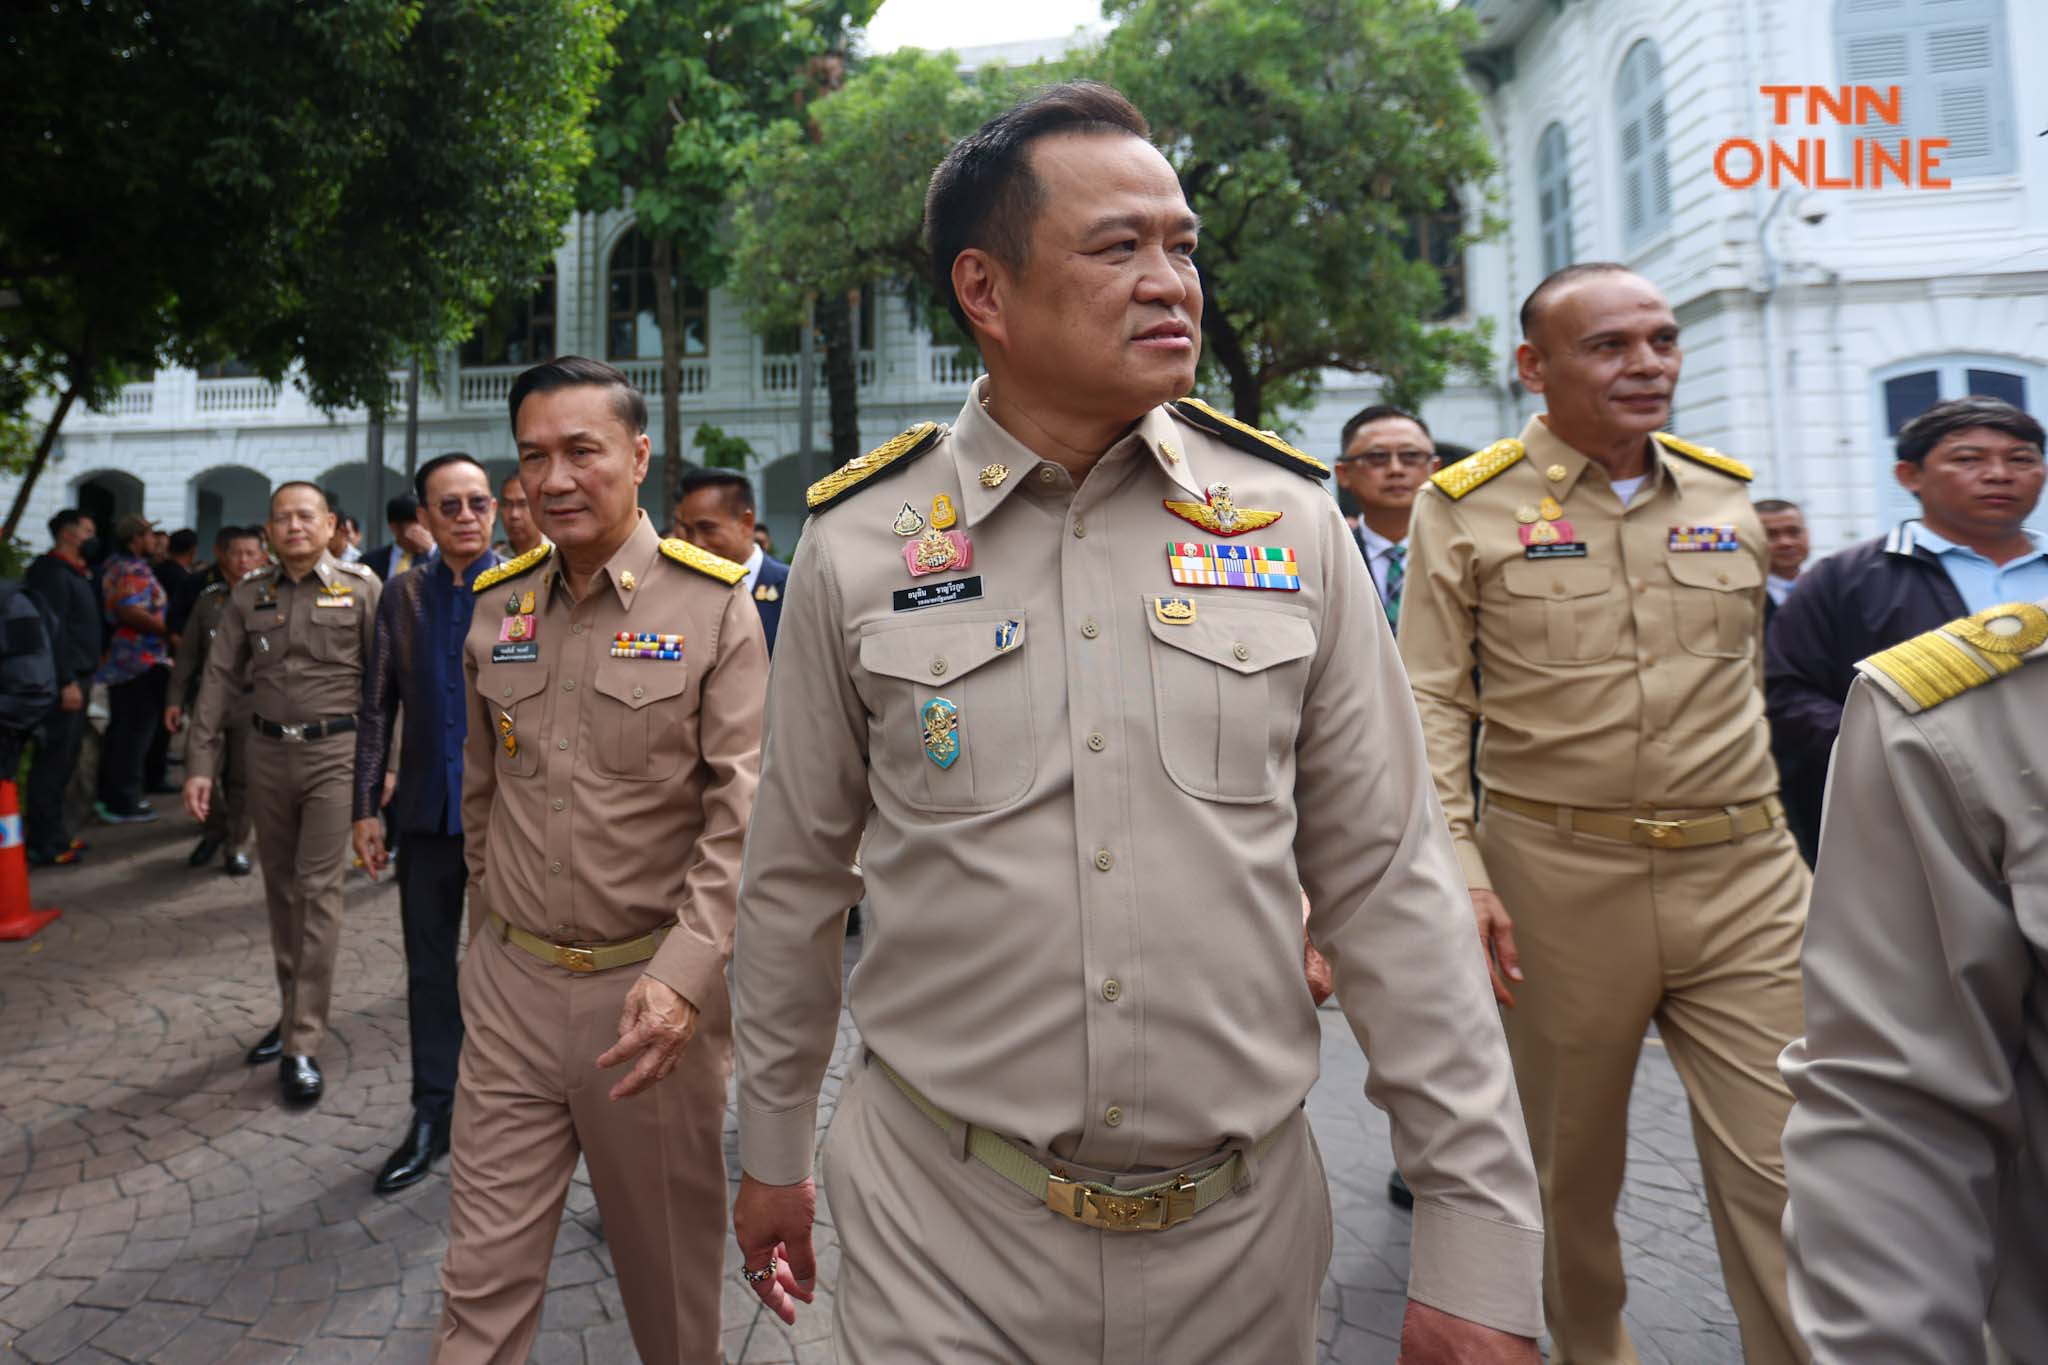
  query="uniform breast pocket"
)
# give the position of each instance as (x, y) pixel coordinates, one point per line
(520, 692)
(1228, 686)
(267, 641)
(643, 718)
(1562, 610)
(950, 727)
(1714, 603)
(335, 636)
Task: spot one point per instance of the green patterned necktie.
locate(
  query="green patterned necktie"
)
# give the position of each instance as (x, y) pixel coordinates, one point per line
(1396, 576)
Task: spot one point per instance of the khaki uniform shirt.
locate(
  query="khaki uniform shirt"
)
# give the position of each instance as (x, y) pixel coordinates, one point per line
(1085, 931)
(604, 798)
(298, 644)
(1626, 679)
(200, 629)
(1917, 1150)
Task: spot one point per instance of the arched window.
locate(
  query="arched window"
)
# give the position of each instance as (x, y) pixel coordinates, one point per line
(1645, 155)
(520, 329)
(1554, 197)
(632, 331)
(1947, 57)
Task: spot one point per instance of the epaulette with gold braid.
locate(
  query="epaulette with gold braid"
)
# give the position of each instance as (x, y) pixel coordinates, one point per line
(1946, 662)
(1458, 479)
(703, 561)
(1249, 439)
(1706, 455)
(512, 568)
(891, 457)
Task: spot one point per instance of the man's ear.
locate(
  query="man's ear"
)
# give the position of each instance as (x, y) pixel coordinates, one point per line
(981, 283)
(1529, 367)
(1909, 474)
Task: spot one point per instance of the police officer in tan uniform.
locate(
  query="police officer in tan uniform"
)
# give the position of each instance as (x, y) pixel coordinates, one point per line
(1103, 678)
(615, 683)
(1630, 863)
(1918, 1145)
(229, 822)
(298, 633)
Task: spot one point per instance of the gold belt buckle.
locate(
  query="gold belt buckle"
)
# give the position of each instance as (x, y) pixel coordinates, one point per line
(1114, 1212)
(574, 959)
(1662, 833)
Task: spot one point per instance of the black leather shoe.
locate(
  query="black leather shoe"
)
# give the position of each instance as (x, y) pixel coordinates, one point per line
(203, 851)
(1398, 1193)
(268, 1049)
(299, 1078)
(425, 1140)
(237, 865)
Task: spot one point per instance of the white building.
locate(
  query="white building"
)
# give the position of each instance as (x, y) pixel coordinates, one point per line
(1815, 322)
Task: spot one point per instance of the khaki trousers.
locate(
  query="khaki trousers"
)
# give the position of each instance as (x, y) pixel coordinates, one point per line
(528, 1101)
(228, 819)
(301, 793)
(944, 1262)
(1705, 942)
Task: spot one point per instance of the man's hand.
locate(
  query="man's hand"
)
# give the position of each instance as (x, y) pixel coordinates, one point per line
(656, 1025)
(368, 838)
(1497, 942)
(390, 789)
(174, 718)
(1430, 1336)
(773, 1222)
(1317, 968)
(71, 697)
(198, 797)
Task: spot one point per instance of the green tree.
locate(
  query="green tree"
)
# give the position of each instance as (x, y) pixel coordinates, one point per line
(693, 80)
(332, 186)
(1311, 138)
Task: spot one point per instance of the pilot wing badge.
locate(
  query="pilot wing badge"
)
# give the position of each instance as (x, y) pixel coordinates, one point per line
(1219, 515)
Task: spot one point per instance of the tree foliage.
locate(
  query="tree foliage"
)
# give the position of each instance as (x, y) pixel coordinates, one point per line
(1310, 137)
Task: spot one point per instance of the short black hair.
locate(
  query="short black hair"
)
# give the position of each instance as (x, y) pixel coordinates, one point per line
(983, 194)
(325, 502)
(1924, 432)
(65, 520)
(401, 509)
(739, 489)
(1770, 507)
(420, 475)
(182, 541)
(1556, 280)
(510, 479)
(230, 534)
(347, 523)
(1378, 412)
(571, 371)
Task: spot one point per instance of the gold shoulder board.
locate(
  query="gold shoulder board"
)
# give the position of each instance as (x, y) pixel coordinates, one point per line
(1456, 480)
(1249, 439)
(359, 570)
(1944, 663)
(892, 456)
(703, 561)
(512, 568)
(1706, 455)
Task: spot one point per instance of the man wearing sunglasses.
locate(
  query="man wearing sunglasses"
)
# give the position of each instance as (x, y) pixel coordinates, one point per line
(1387, 455)
(416, 664)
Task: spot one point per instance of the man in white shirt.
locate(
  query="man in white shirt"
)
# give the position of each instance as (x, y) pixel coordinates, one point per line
(1785, 544)
(715, 511)
(1388, 453)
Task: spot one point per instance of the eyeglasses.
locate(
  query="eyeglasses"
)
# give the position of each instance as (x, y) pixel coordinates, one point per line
(479, 505)
(1380, 459)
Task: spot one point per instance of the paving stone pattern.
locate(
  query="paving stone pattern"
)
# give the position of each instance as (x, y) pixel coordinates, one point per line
(158, 1204)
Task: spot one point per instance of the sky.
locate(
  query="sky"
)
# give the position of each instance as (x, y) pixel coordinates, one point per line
(941, 24)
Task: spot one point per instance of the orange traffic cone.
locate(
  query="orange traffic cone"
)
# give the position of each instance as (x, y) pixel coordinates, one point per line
(17, 920)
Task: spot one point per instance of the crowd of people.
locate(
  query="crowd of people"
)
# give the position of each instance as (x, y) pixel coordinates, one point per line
(1574, 690)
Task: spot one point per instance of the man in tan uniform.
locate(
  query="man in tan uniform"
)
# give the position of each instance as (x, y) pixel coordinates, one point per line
(615, 683)
(1103, 678)
(229, 822)
(297, 634)
(1608, 585)
(1918, 1145)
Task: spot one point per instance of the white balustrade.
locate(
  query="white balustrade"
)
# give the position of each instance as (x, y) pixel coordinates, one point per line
(237, 395)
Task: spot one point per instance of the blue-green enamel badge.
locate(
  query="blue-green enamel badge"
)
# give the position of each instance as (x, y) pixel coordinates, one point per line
(941, 731)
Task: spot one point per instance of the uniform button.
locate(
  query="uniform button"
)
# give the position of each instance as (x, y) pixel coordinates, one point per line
(561, 744)
(1096, 742)
(1103, 861)
(1045, 474)
(508, 689)
(560, 803)
(938, 668)
(1112, 990)
(1643, 588)
(1089, 630)
(576, 629)
(1080, 530)
(1113, 1115)
(1721, 578)
(568, 684)
(1557, 588)
(1240, 653)
(555, 868)
(639, 692)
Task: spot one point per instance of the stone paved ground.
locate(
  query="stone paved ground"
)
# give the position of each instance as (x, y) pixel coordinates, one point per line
(156, 1202)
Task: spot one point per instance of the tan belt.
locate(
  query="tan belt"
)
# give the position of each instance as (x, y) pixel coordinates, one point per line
(1152, 1208)
(1735, 823)
(600, 958)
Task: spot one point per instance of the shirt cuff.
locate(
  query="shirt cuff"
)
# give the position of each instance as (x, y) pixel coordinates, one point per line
(1473, 866)
(1477, 1269)
(776, 1147)
(690, 967)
